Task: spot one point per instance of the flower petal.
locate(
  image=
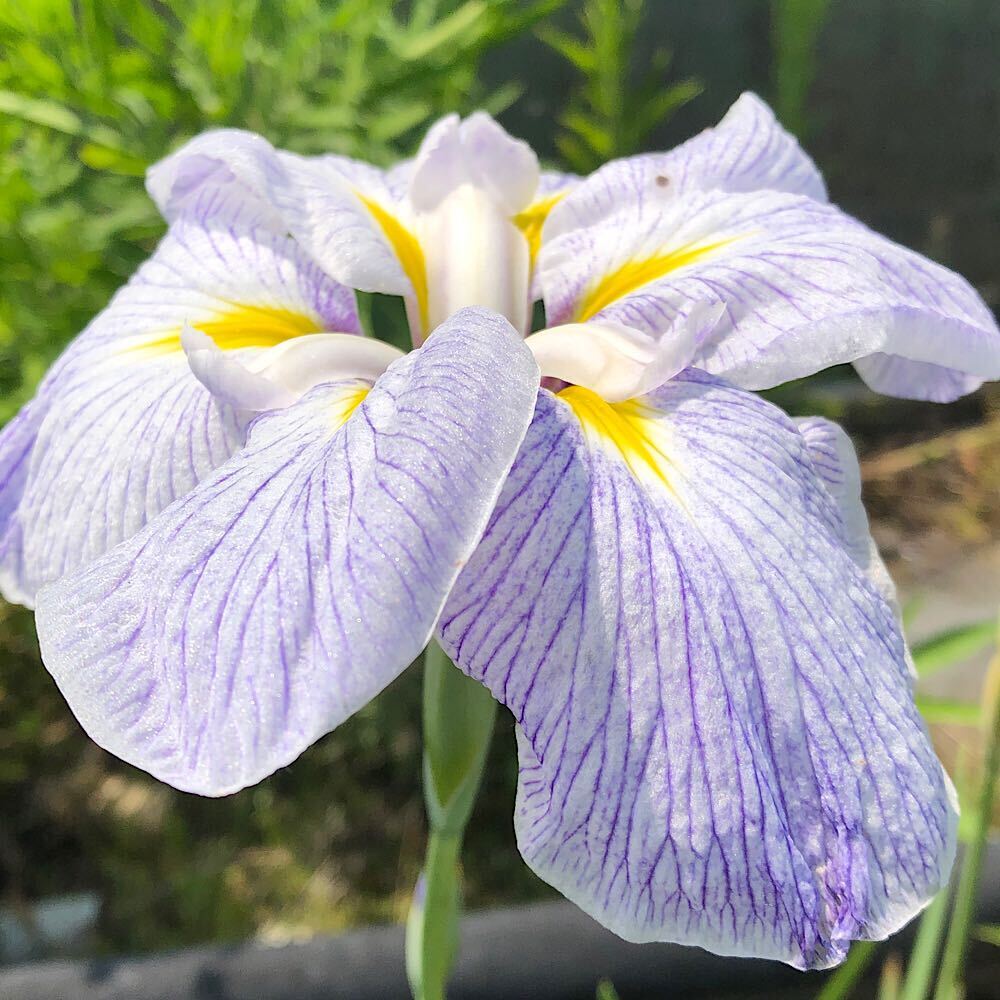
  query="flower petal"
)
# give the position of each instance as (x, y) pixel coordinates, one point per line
(346, 214)
(617, 362)
(805, 287)
(279, 376)
(718, 739)
(747, 151)
(121, 427)
(836, 463)
(287, 589)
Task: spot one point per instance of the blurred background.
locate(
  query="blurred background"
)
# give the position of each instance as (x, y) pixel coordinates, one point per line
(897, 100)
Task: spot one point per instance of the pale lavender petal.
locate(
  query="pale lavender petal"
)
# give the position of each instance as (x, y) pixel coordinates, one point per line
(552, 182)
(288, 588)
(717, 733)
(898, 376)
(805, 287)
(337, 209)
(121, 427)
(747, 151)
(836, 463)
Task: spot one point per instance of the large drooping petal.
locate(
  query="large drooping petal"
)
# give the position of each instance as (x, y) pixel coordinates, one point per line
(836, 463)
(347, 215)
(805, 287)
(262, 609)
(747, 151)
(718, 740)
(121, 427)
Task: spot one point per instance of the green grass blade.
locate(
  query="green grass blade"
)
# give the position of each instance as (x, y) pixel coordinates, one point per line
(965, 896)
(923, 958)
(949, 711)
(956, 644)
(841, 984)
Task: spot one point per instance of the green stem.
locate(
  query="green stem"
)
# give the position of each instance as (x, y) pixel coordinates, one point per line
(458, 722)
(962, 916)
(843, 981)
(923, 957)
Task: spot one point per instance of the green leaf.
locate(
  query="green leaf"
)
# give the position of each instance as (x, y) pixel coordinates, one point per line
(948, 711)
(952, 646)
(55, 116)
(112, 160)
(990, 933)
(445, 32)
(841, 984)
(570, 48)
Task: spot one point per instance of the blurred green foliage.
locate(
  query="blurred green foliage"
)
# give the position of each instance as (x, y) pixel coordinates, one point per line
(795, 29)
(611, 116)
(92, 92)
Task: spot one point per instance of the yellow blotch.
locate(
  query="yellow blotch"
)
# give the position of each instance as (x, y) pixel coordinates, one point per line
(630, 429)
(532, 219)
(239, 326)
(407, 249)
(637, 273)
(344, 407)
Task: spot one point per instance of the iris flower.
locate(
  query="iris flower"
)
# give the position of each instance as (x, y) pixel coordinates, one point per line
(239, 519)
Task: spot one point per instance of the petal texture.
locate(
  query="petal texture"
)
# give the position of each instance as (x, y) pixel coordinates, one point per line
(717, 734)
(121, 427)
(347, 215)
(804, 285)
(747, 151)
(286, 590)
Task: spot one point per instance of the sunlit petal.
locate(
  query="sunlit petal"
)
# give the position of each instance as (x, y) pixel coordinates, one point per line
(717, 734)
(287, 589)
(121, 427)
(346, 215)
(805, 287)
(747, 151)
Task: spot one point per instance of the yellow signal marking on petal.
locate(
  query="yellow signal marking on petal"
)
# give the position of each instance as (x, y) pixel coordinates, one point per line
(240, 326)
(344, 407)
(407, 249)
(631, 429)
(532, 220)
(639, 272)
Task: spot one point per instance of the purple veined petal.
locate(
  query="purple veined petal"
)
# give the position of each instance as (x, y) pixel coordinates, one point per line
(288, 588)
(893, 375)
(347, 215)
(836, 464)
(718, 739)
(120, 427)
(805, 287)
(747, 151)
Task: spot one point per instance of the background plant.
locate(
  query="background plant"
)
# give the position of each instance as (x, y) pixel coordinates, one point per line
(615, 107)
(92, 92)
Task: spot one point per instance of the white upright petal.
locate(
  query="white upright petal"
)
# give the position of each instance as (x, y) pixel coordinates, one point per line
(479, 152)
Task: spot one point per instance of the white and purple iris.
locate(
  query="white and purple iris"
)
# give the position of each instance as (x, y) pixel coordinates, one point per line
(239, 519)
